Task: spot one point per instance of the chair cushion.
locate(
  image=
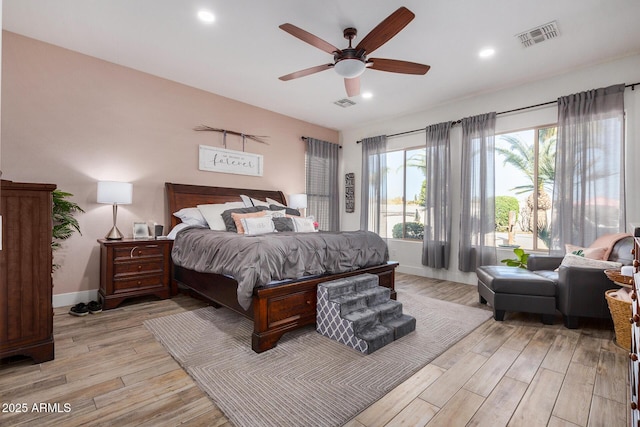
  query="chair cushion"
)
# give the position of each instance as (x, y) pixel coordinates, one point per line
(514, 280)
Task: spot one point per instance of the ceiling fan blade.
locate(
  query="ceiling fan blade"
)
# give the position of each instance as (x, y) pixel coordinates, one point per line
(385, 30)
(395, 66)
(306, 36)
(352, 86)
(306, 72)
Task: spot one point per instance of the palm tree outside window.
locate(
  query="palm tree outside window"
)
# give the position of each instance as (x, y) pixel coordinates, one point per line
(525, 175)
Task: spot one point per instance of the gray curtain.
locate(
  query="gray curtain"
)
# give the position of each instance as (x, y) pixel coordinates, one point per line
(323, 192)
(436, 246)
(588, 196)
(477, 216)
(373, 213)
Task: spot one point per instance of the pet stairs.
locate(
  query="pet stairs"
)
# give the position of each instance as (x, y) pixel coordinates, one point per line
(357, 312)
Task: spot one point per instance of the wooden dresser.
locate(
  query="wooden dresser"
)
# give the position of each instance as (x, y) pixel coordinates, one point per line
(134, 267)
(634, 355)
(26, 312)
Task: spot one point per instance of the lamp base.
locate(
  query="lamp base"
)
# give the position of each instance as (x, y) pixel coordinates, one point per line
(114, 234)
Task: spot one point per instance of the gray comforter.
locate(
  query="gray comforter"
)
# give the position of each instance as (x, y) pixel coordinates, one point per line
(257, 260)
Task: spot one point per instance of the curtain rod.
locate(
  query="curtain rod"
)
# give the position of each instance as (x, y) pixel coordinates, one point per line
(631, 85)
(304, 138)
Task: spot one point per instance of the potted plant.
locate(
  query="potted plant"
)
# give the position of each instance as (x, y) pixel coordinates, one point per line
(64, 223)
(520, 259)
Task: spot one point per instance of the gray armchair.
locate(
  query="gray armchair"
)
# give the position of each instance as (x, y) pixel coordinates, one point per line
(579, 290)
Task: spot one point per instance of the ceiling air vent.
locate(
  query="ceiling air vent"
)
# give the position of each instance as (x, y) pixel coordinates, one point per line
(539, 34)
(344, 103)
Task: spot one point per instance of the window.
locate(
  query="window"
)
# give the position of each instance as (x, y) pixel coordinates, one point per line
(525, 174)
(405, 194)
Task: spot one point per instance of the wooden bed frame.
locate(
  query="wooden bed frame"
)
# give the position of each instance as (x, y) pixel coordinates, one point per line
(275, 310)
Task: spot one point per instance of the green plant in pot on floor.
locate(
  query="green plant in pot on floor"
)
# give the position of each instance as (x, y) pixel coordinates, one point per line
(64, 225)
(520, 259)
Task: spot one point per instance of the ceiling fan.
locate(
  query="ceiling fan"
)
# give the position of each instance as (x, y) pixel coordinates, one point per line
(351, 62)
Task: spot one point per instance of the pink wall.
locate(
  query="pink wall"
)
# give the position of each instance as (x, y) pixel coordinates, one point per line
(73, 120)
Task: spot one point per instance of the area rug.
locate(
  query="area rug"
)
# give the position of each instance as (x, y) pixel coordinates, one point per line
(308, 379)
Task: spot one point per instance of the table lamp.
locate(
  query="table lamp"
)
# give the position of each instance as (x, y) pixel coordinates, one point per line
(115, 193)
(298, 201)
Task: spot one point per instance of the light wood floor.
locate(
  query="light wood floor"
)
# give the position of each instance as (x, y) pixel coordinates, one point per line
(111, 371)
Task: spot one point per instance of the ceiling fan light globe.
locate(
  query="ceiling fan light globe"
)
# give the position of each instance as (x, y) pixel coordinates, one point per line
(349, 68)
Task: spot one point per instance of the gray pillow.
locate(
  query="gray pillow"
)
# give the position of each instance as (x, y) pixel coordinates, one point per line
(283, 224)
(230, 224)
(289, 211)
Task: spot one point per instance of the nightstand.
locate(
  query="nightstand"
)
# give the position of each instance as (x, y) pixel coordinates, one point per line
(134, 267)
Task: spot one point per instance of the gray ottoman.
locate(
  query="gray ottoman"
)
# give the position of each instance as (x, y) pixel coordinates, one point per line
(516, 289)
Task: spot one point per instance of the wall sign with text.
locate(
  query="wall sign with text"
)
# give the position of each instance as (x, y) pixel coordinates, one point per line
(221, 160)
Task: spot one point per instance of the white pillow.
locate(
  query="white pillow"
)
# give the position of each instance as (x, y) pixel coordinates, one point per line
(257, 202)
(258, 225)
(274, 202)
(276, 214)
(303, 225)
(571, 260)
(246, 200)
(213, 214)
(191, 216)
(172, 234)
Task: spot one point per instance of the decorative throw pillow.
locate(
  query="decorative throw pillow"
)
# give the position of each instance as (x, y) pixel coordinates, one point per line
(191, 216)
(260, 225)
(257, 202)
(571, 260)
(246, 200)
(303, 225)
(591, 253)
(213, 214)
(274, 202)
(229, 223)
(276, 214)
(283, 224)
(289, 211)
(238, 217)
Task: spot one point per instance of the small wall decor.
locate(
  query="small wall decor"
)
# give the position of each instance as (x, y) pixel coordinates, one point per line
(350, 192)
(257, 138)
(221, 160)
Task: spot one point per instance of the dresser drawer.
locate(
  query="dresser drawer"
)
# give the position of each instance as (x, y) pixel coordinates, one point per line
(137, 283)
(125, 253)
(141, 267)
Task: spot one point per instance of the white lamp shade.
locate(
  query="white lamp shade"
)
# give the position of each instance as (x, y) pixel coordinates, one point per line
(298, 201)
(111, 192)
(350, 68)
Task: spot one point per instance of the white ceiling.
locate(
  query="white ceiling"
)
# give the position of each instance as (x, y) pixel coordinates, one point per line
(242, 54)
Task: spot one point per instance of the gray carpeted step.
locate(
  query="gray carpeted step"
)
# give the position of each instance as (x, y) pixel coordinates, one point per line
(377, 295)
(336, 288)
(389, 310)
(350, 302)
(401, 326)
(355, 311)
(362, 319)
(376, 336)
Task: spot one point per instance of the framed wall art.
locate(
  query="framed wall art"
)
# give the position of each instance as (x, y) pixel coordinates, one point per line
(350, 192)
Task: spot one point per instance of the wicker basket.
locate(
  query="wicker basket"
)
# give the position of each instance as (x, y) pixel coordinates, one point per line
(620, 313)
(616, 276)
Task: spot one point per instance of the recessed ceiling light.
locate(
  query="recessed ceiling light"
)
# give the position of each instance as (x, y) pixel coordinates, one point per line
(206, 16)
(367, 95)
(486, 53)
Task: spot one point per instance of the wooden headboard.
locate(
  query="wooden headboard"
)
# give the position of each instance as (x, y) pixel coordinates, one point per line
(189, 196)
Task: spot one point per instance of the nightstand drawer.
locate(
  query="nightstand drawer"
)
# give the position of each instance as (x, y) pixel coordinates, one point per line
(142, 267)
(138, 283)
(124, 253)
